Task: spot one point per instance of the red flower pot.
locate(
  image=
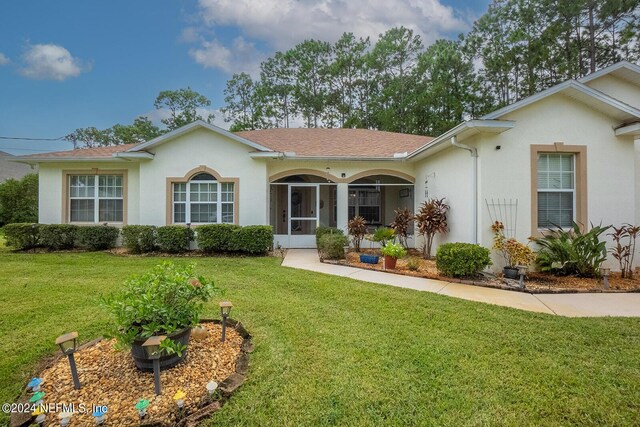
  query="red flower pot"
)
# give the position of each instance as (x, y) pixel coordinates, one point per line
(390, 262)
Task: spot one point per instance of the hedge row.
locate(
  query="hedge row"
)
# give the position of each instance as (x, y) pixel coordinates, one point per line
(60, 236)
(252, 239)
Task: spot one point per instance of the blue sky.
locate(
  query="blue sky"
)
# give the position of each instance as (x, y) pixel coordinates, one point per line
(77, 63)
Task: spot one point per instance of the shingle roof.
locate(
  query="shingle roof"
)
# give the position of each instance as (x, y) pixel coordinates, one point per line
(84, 152)
(318, 142)
(305, 142)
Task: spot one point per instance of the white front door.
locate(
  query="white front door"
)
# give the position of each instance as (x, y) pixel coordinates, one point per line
(304, 200)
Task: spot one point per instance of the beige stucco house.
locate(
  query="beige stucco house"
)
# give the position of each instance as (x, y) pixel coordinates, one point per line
(569, 153)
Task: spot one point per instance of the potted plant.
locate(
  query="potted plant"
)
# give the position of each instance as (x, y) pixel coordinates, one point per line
(391, 252)
(514, 253)
(168, 300)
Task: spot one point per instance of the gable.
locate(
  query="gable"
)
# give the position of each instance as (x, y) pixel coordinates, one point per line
(618, 88)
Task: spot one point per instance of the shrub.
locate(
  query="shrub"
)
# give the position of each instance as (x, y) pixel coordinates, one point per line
(513, 252)
(162, 301)
(394, 250)
(322, 230)
(19, 200)
(22, 236)
(139, 238)
(462, 259)
(413, 263)
(383, 235)
(58, 236)
(174, 238)
(357, 227)
(331, 246)
(431, 219)
(216, 237)
(252, 239)
(98, 237)
(573, 251)
(401, 225)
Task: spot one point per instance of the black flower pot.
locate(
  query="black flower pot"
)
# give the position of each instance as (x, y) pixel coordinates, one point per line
(510, 272)
(167, 360)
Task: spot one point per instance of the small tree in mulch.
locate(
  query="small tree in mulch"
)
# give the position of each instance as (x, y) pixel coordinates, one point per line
(431, 218)
(401, 225)
(357, 228)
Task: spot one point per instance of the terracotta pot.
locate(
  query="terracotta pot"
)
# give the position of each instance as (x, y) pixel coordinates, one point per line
(166, 361)
(390, 262)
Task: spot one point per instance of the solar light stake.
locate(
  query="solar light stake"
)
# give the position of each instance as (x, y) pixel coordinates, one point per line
(225, 309)
(67, 343)
(605, 271)
(152, 347)
(522, 271)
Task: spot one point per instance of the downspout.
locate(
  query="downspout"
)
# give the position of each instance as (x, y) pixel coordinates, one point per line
(474, 153)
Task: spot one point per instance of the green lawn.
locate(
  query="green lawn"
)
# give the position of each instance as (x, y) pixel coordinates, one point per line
(334, 351)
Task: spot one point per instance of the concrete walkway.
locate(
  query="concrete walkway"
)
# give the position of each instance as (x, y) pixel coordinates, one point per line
(572, 305)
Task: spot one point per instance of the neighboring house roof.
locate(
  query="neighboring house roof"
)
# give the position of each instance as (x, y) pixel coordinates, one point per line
(9, 169)
(336, 143)
(580, 92)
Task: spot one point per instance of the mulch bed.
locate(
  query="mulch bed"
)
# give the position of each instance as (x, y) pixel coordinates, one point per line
(534, 282)
(110, 377)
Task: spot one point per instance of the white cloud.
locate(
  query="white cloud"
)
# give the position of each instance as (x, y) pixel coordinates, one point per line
(50, 62)
(283, 23)
(240, 56)
(3, 59)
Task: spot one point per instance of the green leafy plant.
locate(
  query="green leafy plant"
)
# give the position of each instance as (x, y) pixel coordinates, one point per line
(98, 237)
(139, 238)
(572, 252)
(462, 259)
(401, 225)
(58, 236)
(167, 299)
(174, 238)
(383, 235)
(393, 250)
(430, 219)
(357, 230)
(624, 239)
(513, 252)
(332, 246)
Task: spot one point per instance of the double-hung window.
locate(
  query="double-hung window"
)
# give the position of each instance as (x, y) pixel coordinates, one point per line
(556, 190)
(96, 198)
(365, 202)
(203, 200)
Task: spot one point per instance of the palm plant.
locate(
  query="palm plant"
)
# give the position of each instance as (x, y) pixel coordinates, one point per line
(572, 251)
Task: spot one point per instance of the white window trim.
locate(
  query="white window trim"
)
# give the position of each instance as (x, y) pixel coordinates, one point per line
(187, 202)
(561, 190)
(96, 199)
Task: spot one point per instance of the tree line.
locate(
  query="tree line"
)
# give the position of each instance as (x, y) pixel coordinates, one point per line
(517, 48)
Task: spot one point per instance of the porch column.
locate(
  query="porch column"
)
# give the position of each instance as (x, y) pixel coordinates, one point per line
(342, 193)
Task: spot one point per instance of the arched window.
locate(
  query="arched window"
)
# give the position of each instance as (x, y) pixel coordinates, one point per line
(203, 200)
